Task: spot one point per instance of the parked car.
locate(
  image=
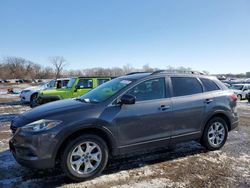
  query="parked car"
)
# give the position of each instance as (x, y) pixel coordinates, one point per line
(248, 96)
(30, 94)
(75, 87)
(125, 115)
(240, 90)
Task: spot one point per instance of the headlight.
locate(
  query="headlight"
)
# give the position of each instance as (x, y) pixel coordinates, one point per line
(40, 125)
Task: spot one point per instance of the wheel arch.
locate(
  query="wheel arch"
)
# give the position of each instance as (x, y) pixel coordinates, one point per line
(101, 132)
(35, 93)
(220, 115)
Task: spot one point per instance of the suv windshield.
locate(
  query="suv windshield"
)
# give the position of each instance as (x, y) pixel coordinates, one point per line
(71, 82)
(237, 87)
(106, 90)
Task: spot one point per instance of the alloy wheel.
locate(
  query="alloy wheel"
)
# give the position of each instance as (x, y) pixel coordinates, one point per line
(85, 158)
(216, 134)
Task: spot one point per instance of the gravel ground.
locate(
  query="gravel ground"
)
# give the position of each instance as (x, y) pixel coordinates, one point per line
(187, 165)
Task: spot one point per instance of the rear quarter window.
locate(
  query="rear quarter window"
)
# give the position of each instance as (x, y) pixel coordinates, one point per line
(186, 86)
(209, 85)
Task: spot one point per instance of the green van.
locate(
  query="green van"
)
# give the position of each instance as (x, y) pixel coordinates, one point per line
(76, 87)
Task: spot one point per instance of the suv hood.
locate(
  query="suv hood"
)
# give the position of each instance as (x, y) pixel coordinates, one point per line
(56, 108)
(236, 91)
(34, 88)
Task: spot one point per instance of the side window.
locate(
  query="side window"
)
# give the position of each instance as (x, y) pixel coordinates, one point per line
(149, 90)
(65, 83)
(209, 84)
(85, 83)
(185, 86)
(101, 81)
(52, 83)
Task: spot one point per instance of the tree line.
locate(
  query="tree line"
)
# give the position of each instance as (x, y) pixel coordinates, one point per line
(12, 67)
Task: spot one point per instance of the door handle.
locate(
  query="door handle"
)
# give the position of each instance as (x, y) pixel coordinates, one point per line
(164, 107)
(207, 101)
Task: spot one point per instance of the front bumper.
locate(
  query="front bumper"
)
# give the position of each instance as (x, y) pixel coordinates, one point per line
(34, 150)
(24, 98)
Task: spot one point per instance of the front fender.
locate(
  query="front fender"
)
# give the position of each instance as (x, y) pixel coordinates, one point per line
(90, 125)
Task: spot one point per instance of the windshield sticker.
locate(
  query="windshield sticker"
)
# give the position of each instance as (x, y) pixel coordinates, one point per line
(126, 81)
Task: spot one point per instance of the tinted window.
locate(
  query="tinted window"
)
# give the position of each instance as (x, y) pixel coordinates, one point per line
(209, 84)
(101, 81)
(148, 90)
(85, 83)
(186, 86)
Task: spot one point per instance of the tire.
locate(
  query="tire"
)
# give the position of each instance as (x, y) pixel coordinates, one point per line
(220, 136)
(248, 100)
(33, 98)
(239, 97)
(70, 158)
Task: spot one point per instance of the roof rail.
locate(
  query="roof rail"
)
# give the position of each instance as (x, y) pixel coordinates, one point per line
(177, 71)
(136, 73)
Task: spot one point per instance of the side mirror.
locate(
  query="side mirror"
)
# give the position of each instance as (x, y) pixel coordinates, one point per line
(127, 99)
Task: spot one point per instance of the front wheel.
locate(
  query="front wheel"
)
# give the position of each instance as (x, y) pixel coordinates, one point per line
(85, 157)
(215, 134)
(33, 99)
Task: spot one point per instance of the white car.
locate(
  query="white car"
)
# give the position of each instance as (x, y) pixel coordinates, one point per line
(29, 94)
(240, 90)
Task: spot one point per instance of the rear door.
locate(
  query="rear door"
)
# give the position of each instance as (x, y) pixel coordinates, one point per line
(188, 105)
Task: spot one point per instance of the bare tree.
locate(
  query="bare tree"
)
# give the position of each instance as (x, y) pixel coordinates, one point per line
(128, 68)
(147, 68)
(15, 66)
(59, 63)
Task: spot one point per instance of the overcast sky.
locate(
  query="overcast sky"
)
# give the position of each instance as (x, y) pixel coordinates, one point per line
(209, 35)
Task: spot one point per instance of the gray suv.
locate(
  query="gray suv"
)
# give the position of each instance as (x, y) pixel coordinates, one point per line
(127, 114)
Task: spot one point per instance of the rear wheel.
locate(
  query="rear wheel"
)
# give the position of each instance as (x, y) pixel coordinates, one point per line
(85, 157)
(215, 134)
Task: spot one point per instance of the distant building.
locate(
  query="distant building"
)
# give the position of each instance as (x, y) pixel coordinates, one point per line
(248, 74)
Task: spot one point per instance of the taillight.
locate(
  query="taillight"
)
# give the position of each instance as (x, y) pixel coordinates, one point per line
(233, 97)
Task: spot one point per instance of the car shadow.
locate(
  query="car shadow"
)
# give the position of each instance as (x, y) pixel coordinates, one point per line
(7, 117)
(55, 177)
(13, 103)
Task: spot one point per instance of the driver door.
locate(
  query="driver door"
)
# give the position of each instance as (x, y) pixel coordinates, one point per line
(83, 86)
(147, 122)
